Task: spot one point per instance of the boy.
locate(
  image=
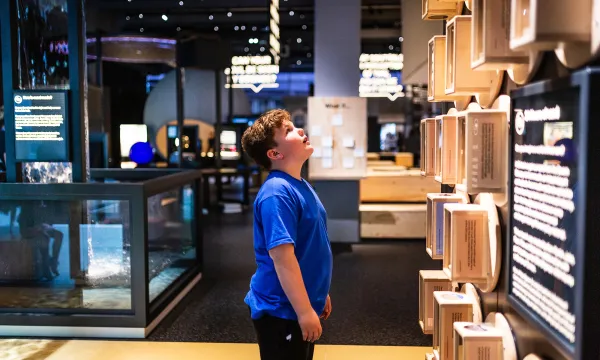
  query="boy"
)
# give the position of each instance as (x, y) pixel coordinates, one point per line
(289, 293)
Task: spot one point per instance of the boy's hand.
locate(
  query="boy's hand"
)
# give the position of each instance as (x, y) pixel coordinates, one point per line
(327, 310)
(311, 326)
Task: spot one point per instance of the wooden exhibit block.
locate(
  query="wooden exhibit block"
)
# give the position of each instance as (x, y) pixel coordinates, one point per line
(341, 143)
(471, 340)
(429, 282)
(448, 308)
(461, 79)
(482, 149)
(436, 71)
(392, 221)
(446, 156)
(405, 159)
(466, 243)
(440, 10)
(543, 24)
(428, 146)
(434, 224)
(396, 186)
(490, 37)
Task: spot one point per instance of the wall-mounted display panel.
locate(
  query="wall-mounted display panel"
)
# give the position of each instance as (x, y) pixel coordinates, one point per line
(543, 24)
(41, 126)
(554, 254)
(466, 243)
(429, 282)
(446, 157)
(477, 342)
(428, 147)
(461, 79)
(490, 37)
(440, 10)
(436, 62)
(481, 147)
(449, 307)
(338, 134)
(434, 222)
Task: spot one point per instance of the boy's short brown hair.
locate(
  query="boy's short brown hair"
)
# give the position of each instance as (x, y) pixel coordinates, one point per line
(260, 137)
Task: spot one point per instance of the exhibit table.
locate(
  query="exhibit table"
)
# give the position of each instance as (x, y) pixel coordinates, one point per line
(109, 258)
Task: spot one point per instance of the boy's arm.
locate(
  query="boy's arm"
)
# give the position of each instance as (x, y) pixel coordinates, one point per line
(290, 277)
(280, 222)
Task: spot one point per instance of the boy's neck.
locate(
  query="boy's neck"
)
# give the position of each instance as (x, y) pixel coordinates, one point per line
(293, 170)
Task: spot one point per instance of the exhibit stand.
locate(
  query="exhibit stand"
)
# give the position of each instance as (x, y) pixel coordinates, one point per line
(515, 225)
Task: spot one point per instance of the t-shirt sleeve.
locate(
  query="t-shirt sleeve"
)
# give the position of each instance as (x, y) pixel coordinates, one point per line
(280, 221)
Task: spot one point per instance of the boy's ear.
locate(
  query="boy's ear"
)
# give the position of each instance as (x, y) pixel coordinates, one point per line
(274, 154)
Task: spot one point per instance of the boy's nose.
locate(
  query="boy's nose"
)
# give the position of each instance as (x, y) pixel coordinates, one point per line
(301, 132)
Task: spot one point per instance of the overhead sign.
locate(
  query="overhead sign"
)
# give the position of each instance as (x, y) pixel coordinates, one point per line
(252, 72)
(41, 126)
(381, 75)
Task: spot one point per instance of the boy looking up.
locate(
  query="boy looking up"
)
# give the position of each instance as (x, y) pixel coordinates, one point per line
(289, 292)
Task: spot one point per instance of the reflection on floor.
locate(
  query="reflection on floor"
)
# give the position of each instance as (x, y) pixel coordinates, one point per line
(101, 350)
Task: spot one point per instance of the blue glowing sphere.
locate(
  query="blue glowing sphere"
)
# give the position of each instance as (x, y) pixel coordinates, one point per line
(141, 153)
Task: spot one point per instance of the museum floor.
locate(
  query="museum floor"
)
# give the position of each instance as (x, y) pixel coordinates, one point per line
(101, 350)
(374, 295)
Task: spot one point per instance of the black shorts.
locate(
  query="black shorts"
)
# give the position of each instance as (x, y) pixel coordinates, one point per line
(281, 339)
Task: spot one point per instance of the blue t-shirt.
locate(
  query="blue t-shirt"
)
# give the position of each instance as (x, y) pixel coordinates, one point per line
(288, 211)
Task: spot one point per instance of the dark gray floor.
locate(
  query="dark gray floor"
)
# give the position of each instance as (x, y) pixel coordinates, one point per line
(374, 292)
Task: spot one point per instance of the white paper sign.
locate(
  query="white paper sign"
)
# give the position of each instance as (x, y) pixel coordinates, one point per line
(337, 120)
(315, 130)
(327, 141)
(348, 162)
(327, 153)
(359, 152)
(318, 152)
(326, 163)
(349, 142)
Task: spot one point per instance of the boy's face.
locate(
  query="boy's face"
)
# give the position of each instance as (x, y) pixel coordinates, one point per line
(292, 144)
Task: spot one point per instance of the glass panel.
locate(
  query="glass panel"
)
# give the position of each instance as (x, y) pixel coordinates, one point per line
(65, 254)
(171, 242)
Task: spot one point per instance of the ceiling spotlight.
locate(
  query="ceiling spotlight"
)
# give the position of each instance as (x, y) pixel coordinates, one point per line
(129, 0)
(298, 40)
(210, 17)
(262, 48)
(292, 13)
(216, 28)
(178, 28)
(229, 14)
(301, 16)
(401, 39)
(254, 28)
(391, 47)
(236, 28)
(165, 17)
(309, 55)
(243, 27)
(141, 29)
(304, 27)
(246, 49)
(141, 16)
(127, 18)
(298, 62)
(181, 3)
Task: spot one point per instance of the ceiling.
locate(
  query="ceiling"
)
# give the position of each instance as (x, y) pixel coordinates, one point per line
(238, 21)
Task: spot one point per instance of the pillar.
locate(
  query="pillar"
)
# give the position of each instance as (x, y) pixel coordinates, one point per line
(337, 74)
